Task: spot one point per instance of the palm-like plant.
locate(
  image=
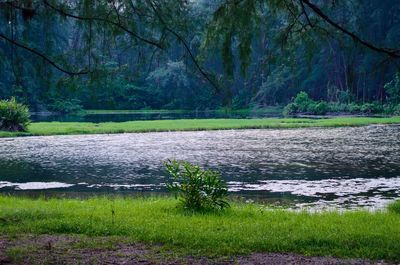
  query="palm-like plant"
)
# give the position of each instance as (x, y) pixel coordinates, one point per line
(198, 189)
(13, 115)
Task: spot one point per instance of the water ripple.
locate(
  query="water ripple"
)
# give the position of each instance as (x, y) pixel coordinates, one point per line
(325, 166)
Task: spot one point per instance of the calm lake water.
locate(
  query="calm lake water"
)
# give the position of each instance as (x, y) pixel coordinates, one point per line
(162, 115)
(340, 167)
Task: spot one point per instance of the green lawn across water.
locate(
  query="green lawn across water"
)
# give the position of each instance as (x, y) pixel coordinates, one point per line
(67, 128)
(242, 229)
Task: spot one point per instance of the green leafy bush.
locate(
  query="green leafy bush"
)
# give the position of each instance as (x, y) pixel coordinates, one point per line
(198, 189)
(66, 106)
(321, 108)
(391, 109)
(290, 109)
(371, 108)
(353, 108)
(303, 101)
(304, 104)
(337, 107)
(396, 110)
(13, 115)
(311, 107)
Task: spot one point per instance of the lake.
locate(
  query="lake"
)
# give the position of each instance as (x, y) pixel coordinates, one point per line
(122, 116)
(313, 167)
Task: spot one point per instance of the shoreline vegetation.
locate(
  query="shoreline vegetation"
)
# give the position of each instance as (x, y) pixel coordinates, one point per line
(275, 110)
(304, 104)
(240, 230)
(76, 128)
(270, 109)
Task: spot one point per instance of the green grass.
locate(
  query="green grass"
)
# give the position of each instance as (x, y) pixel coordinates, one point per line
(65, 128)
(395, 207)
(240, 230)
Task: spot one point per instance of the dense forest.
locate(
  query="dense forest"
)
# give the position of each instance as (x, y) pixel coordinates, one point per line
(63, 55)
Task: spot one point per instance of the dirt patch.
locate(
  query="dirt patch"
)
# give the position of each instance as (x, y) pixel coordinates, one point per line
(60, 249)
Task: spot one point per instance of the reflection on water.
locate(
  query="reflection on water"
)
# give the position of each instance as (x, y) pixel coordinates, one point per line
(161, 115)
(345, 167)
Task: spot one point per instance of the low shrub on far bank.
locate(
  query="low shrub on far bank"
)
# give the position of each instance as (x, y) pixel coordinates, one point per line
(198, 189)
(303, 104)
(371, 108)
(14, 116)
(66, 106)
(321, 108)
(392, 109)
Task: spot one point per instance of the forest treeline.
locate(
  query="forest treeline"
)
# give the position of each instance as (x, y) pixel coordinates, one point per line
(283, 58)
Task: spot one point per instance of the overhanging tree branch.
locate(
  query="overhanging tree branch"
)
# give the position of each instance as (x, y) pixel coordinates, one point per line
(44, 57)
(390, 52)
(185, 44)
(116, 24)
(305, 13)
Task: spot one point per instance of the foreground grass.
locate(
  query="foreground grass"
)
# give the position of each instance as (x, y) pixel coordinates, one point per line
(240, 230)
(65, 128)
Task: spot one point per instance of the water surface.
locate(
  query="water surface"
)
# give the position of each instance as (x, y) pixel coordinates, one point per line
(340, 167)
(121, 116)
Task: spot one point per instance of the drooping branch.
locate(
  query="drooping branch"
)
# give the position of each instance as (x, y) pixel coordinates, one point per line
(105, 20)
(27, 11)
(305, 13)
(44, 57)
(185, 44)
(390, 52)
(125, 29)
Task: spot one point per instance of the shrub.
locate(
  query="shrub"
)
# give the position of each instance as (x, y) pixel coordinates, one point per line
(13, 115)
(318, 108)
(290, 109)
(304, 104)
(394, 207)
(198, 189)
(311, 107)
(371, 108)
(388, 109)
(66, 106)
(302, 101)
(396, 110)
(337, 107)
(391, 109)
(321, 108)
(353, 108)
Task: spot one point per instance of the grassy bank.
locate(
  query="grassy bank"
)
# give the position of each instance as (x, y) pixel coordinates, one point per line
(240, 230)
(65, 128)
